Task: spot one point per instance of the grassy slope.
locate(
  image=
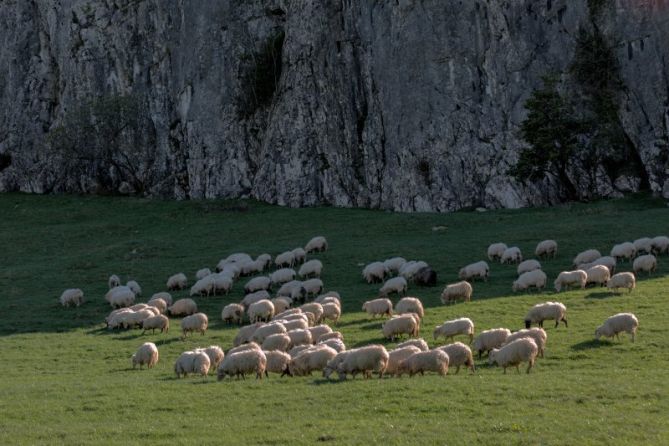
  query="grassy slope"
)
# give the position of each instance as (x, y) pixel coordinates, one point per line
(66, 379)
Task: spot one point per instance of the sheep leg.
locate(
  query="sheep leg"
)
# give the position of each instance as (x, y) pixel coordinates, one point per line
(518, 368)
(529, 366)
(565, 322)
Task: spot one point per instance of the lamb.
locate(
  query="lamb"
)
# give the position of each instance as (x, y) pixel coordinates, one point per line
(331, 311)
(311, 268)
(282, 275)
(167, 297)
(546, 311)
(381, 306)
(490, 339)
(192, 362)
(404, 324)
(241, 363)
(300, 337)
(644, 244)
(546, 248)
(252, 298)
(257, 284)
(527, 266)
(587, 256)
(314, 358)
(458, 355)
(621, 322)
(536, 278)
(72, 296)
(114, 281)
(315, 308)
(420, 343)
(262, 310)
(495, 251)
(568, 278)
(514, 353)
(454, 327)
(204, 286)
(177, 282)
(312, 287)
(233, 314)
(202, 273)
(147, 354)
(598, 274)
(410, 305)
(299, 255)
(153, 322)
(429, 361)
(511, 255)
(660, 244)
(318, 331)
(285, 259)
(622, 280)
(158, 304)
(183, 307)
(134, 286)
(623, 251)
(194, 322)
(316, 244)
(646, 263)
(537, 334)
(479, 270)
(336, 344)
(281, 304)
(277, 341)
(396, 356)
(374, 272)
(267, 330)
(394, 264)
(277, 361)
(460, 290)
(120, 296)
(245, 333)
(368, 359)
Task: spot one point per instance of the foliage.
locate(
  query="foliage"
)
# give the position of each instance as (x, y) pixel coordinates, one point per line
(260, 77)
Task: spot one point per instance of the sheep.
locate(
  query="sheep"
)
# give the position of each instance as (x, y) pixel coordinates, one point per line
(182, 307)
(336, 344)
(311, 268)
(454, 327)
(158, 304)
(598, 274)
(115, 318)
(395, 285)
(233, 314)
(153, 322)
(458, 355)
(285, 259)
(396, 356)
(293, 352)
(244, 347)
(134, 286)
(281, 303)
(410, 305)
(621, 322)
(164, 295)
(300, 337)
(204, 286)
(644, 244)
(660, 244)
(536, 278)
(421, 362)
(514, 353)
(374, 272)
(120, 296)
(587, 256)
(277, 361)
(420, 343)
(312, 287)
(647, 262)
(241, 363)
(222, 282)
(263, 310)
(267, 330)
(511, 255)
(622, 280)
(381, 306)
(327, 300)
(194, 322)
(147, 353)
(397, 326)
(316, 244)
(252, 267)
(331, 311)
(202, 273)
(276, 341)
(331, 335)
(454, 291)
(238, 257)
(607, 261)
(292, 289)
(495, 251)
(425, 276)
(368, 359)
(315, 308)
(252, 298)
(537, 334)
(231, 270)
(622, 251)
(265, 260)
(257, 284)
(479, 270)
(546, 311)
(489, 339)
(409, 269)
(318, 331)
(527, 266)
(245, 333)
(394, 264)
(72, 296)
(139, 306)
(192, 362)
(289, 314)
(282, 275)
(177, 282)
(568, 278)
(299, 255)
(295, 324)
(546, 248)
(215, 354)
(314, 358)
(113, 281)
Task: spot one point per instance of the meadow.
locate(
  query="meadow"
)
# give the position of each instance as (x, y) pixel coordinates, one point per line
(68, 380)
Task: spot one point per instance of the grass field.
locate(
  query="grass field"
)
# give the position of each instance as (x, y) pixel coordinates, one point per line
(67, 380)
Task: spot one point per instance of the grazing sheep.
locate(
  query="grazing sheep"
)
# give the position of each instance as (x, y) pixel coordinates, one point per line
(537, 334)
(458, 355)
(621, 322)
(623, 251)
(598, 274)
(282, 275)
(285, 259)
(396, 356)
(313, 267)
(397, 326)
(331, 335)
(460, 290)
(281, 304)
(204, 286)
(421, 362)
(514, 353)
(257, 284)
(267, 330)
(265, 261)
(262, 310)
(277, 361)
(115, 318)
(222, 282)
(147, 354)
(425, 276)
(369, 359)
(374, 272)
(313, 358)
(120, 296)
(164, 295)
(182, 307)
(622, 280)
(134, 286)
(409, 269)
(334, 343)
(315, 308)
(195, 322)
(567, 278)
(289, 288)
(241, 363)
(420, 343)
(587, 256)
(527, 266)
(381, 306)
(252, 298)
(192, 362)
(299, 255)
(536, 279)
(202, 273)
(300, 337)
(245, 333)
(546, 311)
(114, 281)
(312, 287)
(410, 305)
(252, 267)
(489, 339)
(318, 331)
(177, 282)
(511, 255)
(479, 270)
(233, 314)
(546, 248)
(289, 313)
(215, 354)
(244, 347)
(298, 349)
(495, 251)
(607, 261)
(332, 312)
(643, 244)
(160, 321)
(316, 244)
(660, 244)
(277, 341)
(294, 324)
(72, 296)
(327, 300)
(394, 264)
(158, 304)
(646, 263)
(454, 327)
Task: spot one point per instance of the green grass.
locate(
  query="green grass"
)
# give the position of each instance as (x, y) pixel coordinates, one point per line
(67, 380)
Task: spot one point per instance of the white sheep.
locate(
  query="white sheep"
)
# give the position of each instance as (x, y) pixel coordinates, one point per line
(598, 274)
(568, 278)
(479, 270)
(515, 353)
(277, 362)
(120, 296)
(277, 341)
(625, 250)
(660, 244)
(300, 337)
(315, 308)
(195, 322)
(215, 354)
(267, 330)
(410, 305)
(458, 355)
(241, 363)
(134, 286)
(366, 360)
(421, 362)
(332, 312)
(511, 255)
(454, 291)
(281, 303)
(311, 359)
(316, 244)
(72, 296)
(262, 310)
(454, 327)
(495, 251)
(285, 259)
(331, 335)
(643, 244)
(295, 324)
(160, 321)
(312, 287)
(204, 286)
(537, 334)
(182, 307)
(546, 248)
(252, 298)
(539, 313)
(622, 280)
(244, 347)
(265, 261)
(159, 304)
(313, 267)
(527, 266)
(489, 339)
(374, 272)
(394, 264)
(233, 313)
(586, 256)
(409, 269)
(404, 324)
(318, 331)
(420, 343)
(257, 284)
(381, 306)
(252, 267)
(647, 262)
(289, 289)
(222, 282)
(525, 281)
(334, 343)
(147, 354)
(289, 313)
(114, 281)
(607, 261)
(164, 295)
(177, 282)
(293, 352)
(328, 300)
(282, 275)
(202, 273)
(300, 255)
(396, 356)
(192, 362)
(621, 322)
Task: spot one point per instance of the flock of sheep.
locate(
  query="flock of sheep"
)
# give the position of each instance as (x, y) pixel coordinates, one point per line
(288, 334)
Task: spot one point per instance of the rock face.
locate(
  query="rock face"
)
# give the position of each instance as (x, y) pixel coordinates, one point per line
(410, 105)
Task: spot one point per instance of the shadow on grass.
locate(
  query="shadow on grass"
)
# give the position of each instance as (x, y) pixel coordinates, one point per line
(590, 344)
(600, 295)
